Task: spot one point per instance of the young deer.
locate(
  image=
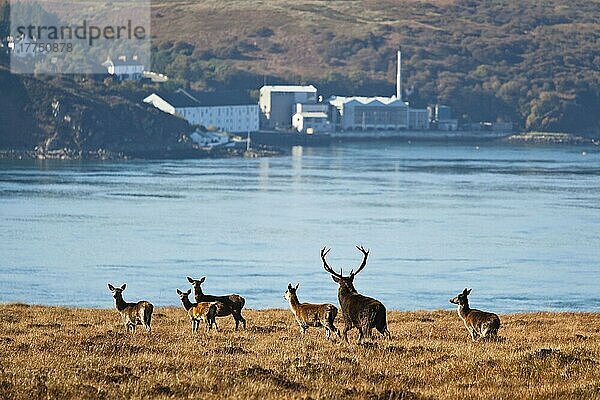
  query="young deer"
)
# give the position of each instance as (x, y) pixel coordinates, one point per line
(199, 311)
(133, 314)
(312, 314)
(228, 305)
(478, 323)
(361, 312)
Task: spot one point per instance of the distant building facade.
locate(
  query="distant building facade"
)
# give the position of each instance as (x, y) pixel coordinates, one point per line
(277, 103)
(312, 118)
(441, 117)
(418, 119)
(371, 113)
(124, 69)
(231, 111)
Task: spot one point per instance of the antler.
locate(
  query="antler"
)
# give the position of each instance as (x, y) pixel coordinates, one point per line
(364, 261)
(324, 252)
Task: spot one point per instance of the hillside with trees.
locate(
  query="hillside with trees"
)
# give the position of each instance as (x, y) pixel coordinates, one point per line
(534, 63)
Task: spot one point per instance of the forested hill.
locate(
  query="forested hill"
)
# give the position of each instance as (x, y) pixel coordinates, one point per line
(537, 63)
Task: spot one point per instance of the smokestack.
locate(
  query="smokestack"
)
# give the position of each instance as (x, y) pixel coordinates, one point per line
(399, 76)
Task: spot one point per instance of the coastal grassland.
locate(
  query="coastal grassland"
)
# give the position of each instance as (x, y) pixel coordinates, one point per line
(67, 353)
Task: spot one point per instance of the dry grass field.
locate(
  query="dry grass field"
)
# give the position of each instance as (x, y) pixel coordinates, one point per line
(65, 353)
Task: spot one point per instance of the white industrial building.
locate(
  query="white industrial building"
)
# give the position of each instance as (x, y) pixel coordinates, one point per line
(226, 111)
(278, 103)
(370, 113)
(312, 118)
(375, 113)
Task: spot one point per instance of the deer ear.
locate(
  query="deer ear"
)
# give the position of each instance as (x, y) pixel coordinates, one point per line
(124, 286)
(469, 291)
(190, 280)
(179, 292)
(297, 285)
(335, 278)
(111, 287)
(202, 279)
(189, 291)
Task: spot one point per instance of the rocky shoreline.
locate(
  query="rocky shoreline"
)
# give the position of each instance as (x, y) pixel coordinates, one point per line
(107, 155)
(549, 138)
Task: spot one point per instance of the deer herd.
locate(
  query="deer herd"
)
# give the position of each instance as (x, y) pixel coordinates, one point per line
(358, 311)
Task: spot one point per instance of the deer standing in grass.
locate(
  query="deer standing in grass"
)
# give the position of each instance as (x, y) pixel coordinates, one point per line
(359, 311)
(228, 305)
(478, 323)
(307, 314)
(133, 314)
(199, 311)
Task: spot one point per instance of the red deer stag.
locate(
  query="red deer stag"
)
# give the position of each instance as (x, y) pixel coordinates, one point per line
(228, 305)
(361, 312)
(133, 314)
(307, 314)
(478, 323)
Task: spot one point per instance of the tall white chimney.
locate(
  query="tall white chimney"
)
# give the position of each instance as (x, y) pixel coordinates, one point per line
(399, 76)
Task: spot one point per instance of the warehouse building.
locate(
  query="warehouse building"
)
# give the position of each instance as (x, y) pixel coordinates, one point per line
(278, 103)
(230, 111)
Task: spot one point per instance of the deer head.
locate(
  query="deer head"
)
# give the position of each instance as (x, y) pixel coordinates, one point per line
(197, 283)
(344, 281)
(184, 295)
(291, 291)
(461, 299)
(117, 292)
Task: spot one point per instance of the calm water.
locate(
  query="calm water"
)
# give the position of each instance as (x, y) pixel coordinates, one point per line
(520, 225)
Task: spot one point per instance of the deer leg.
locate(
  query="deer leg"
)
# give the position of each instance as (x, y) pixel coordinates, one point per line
(473, 334)
(345, 332)
(241, 318)
(236, 319)
(360, 336)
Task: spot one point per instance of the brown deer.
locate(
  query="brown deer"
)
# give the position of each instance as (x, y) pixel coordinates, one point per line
(133, 314)
(316, 315)
(228, 305)
(199, 311)
(478, 323)
(361, 312)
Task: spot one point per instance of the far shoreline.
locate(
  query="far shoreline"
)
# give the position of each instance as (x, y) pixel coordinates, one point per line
(410, 137)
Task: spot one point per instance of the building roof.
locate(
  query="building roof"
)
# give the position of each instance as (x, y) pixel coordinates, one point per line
(290, 88)
(222, 98)
(190, 98)
(372, 101)
(178, 99)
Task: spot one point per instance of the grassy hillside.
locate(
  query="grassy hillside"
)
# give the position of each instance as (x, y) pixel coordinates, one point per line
(531, 62)
(62, 353)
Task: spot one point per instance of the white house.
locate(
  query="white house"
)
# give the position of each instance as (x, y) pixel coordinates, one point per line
(230, 111)
(312, 118)
(124, 69)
